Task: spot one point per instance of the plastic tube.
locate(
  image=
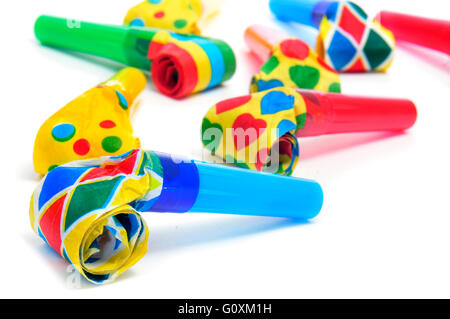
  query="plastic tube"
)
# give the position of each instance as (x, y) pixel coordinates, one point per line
(307, 12)
(180, 64)
(330, 113)
(193, 186)
(430, 33)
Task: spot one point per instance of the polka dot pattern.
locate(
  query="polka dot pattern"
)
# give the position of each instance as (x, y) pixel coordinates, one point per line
(295, 49)
(138, 22)
(265, 123)
(111, 144)
(293, 64)
(181, 16)
(276, 101)
(122, 100)
(335, 87)
(81, 147)
(285, 126)
(159, 14)
(107, 124)
(232, 103)
(76, 131)
(212, 134)
(270, 65)
(63, 132)
(180, 23)
(247, 129)
(262, 85)
(304, 76)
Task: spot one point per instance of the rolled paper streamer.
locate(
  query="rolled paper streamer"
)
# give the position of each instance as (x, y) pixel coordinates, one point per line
(88, 211)
(288, 62)
(426, 32)
(94, 124)
(180, 64)
(259, 131)
(348, 41)
(177, 15)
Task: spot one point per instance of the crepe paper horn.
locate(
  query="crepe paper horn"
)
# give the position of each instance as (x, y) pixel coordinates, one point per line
(426, 32)
(347, 40)
(94, 124)
(176, 15)
(288, 62)
(181, 16)
(88, 211)
(259, 131)
(180, 64)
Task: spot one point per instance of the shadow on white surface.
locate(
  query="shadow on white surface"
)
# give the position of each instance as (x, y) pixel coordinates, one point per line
(25, 171)
(323, 145)
(434, 58)
(168, 238)
(252, 62)
(61, 268)
(109, 64)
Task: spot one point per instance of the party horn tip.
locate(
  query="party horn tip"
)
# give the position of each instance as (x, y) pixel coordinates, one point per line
(261, 40)
(130, 80)
(246, 192)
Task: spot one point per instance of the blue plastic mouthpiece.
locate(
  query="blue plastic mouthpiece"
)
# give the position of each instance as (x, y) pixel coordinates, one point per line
(307, 12)
(194, 186)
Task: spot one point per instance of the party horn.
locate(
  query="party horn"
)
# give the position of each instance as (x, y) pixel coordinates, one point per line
(288, 62)
(180, 64)
(181, 16)
(94, 124)
(426, 32)
(88, 211)
(347, 40)
(259, 131)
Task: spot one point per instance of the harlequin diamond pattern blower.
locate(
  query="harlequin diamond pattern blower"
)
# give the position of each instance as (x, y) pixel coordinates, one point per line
(88, 211)
(347, 40)
(180, 64)
(258, 131)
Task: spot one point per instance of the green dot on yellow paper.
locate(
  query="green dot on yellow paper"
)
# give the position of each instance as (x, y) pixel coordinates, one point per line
(111, 144)
(180, 23)
(334, 87)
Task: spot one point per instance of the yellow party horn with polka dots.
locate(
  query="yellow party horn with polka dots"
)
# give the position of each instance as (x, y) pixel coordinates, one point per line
(94, 124)
(288, 62)
(182, 16)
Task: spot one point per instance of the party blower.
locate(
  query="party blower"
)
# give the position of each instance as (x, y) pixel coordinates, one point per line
(288, 62)
(181, 16)
(88, 211)
(259, 131)
(426, 32)
(95, 124)
(347, 40)
(180, 64)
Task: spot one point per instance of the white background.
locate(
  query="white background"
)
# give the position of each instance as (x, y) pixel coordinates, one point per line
(384, 230)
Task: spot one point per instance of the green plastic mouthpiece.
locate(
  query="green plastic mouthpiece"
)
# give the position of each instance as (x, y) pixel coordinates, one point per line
(180, 64)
